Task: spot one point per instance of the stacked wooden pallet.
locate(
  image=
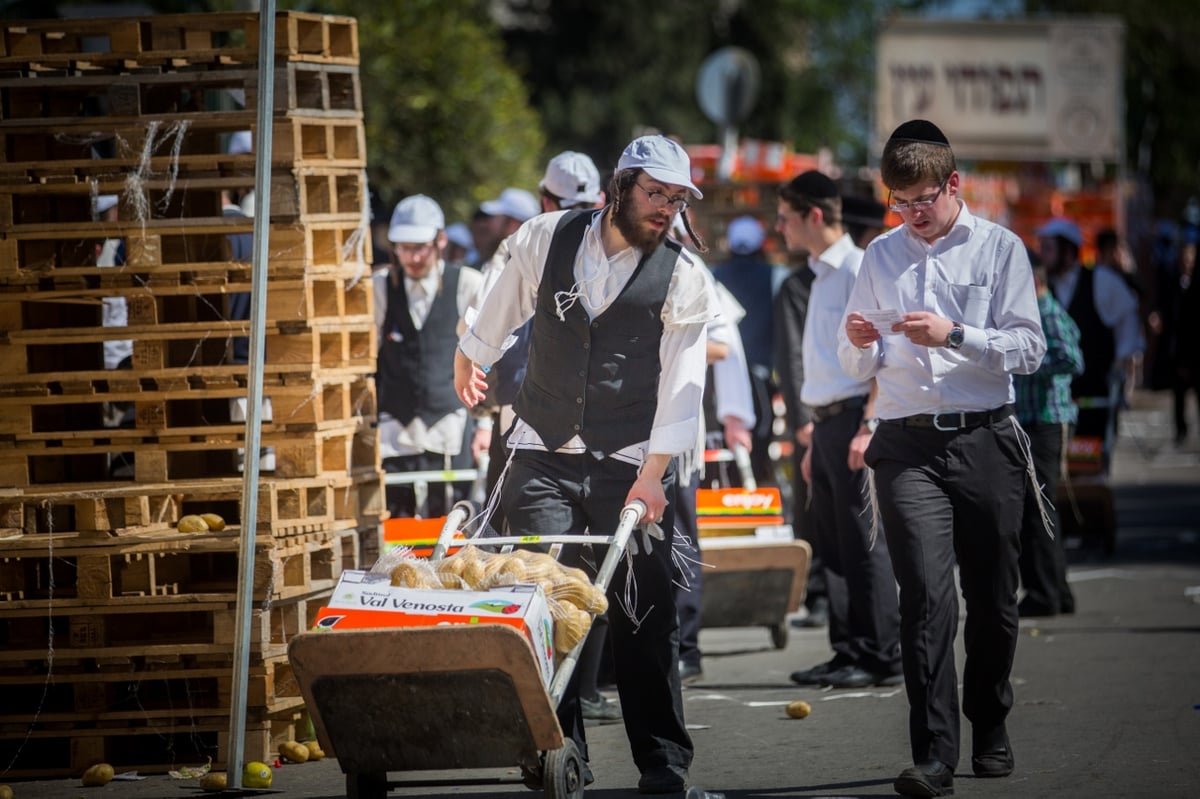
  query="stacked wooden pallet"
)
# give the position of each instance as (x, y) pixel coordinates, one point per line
(116, 629)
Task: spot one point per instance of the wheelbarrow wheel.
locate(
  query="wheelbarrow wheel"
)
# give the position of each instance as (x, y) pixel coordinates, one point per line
(563, 772)
(366, 786)
(779, 635)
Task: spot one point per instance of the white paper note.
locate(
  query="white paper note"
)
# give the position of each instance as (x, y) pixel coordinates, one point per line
(883, 319)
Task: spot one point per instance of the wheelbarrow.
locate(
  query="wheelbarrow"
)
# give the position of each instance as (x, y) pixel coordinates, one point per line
(444, 698)
(755, 571)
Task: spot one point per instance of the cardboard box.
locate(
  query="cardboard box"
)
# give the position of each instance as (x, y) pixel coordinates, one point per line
(363, 600)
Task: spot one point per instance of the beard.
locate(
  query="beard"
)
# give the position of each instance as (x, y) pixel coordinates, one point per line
(631, 227)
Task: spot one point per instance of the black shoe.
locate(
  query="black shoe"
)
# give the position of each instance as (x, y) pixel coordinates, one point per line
(814, 675)
(600, 709)
(817, 616)
(991, 754)
(1067, 606)
(858, 677)
(1029, 609)
(663, 779)
(690, 672)
(927, 778)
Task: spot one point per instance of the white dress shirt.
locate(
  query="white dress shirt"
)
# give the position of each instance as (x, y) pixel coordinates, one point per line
(825, 381)
(446, 434)
(1115, 302)
(598, 280)
(978, 275)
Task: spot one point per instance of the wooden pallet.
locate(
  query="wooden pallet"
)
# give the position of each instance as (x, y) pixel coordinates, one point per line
(308, 194)
(297, 140)
(318, 299)
(330, 448)
(146, 569)
(204, 624)
(187, 247)
(112, 510)
(349, 344)
(170, 39)
(105, 95)
(42, 750)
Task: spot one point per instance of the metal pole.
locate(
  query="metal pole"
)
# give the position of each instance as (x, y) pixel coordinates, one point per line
(253, 437)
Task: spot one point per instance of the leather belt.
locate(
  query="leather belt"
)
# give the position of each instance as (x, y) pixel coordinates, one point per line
(822, 412)
(951, 421)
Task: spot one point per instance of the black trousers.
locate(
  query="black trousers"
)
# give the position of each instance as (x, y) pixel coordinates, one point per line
(947, 497)
(552, 493)
(1043, 562)
(864, 613)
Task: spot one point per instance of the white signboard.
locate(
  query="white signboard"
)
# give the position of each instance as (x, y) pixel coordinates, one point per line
(1006, 91)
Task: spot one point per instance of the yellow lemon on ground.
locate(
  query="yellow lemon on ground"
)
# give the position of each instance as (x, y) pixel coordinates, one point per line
(257, 775)
(798, 710)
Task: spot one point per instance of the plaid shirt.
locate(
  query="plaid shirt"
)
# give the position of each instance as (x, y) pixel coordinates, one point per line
(1044, 397)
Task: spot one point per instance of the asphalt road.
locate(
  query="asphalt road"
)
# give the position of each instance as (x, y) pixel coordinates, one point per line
(1107, 700)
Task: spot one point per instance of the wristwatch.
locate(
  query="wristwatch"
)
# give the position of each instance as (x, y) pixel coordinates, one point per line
(954, 339)
(871, 424)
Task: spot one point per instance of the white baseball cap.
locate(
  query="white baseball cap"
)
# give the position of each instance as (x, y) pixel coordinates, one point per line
(416, 220)
(105, 201)
(1061, 226)
(572, 178)
(460, 234)
(662, 159)
(517, 203)
(745, 235)
(241, 142)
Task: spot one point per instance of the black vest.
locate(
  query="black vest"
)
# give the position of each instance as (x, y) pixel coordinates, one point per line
(597, 378)
(1096, 339)
(416, 367)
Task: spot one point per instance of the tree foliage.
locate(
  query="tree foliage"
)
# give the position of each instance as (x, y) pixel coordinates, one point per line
(445, 115)
(602, 72)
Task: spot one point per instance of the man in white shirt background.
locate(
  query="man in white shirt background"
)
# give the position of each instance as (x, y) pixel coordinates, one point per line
(419, 300)
(863, 614)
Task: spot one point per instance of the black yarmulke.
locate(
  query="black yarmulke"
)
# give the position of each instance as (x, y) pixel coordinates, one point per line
(919, 130)
(814, 185)
(863, 210)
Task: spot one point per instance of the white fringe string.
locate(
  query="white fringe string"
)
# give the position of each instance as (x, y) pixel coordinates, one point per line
(1039, 490)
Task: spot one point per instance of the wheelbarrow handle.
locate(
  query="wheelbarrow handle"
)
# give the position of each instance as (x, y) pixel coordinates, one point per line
(741, 456)
(458, 515)
(631, 514)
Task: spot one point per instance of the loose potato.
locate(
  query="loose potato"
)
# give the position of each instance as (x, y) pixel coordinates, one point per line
(798, 710)
(97, 775)
(214, 781)
(315, 752)
(294, 752)
(6, 792)
(192, 524)
(214, 522)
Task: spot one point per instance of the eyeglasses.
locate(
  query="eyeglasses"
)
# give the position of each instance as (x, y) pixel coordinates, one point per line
(660, 200)
(404, 248)
(923, 204)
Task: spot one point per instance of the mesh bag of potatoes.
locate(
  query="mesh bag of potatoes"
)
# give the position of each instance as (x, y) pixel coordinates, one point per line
(572, 597)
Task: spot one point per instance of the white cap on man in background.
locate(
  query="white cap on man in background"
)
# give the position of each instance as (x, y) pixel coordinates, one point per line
(745, 235)
(516, 203)
(572, 179)
(417, 219)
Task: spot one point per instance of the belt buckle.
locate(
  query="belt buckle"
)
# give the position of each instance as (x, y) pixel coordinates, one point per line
(962, 421)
